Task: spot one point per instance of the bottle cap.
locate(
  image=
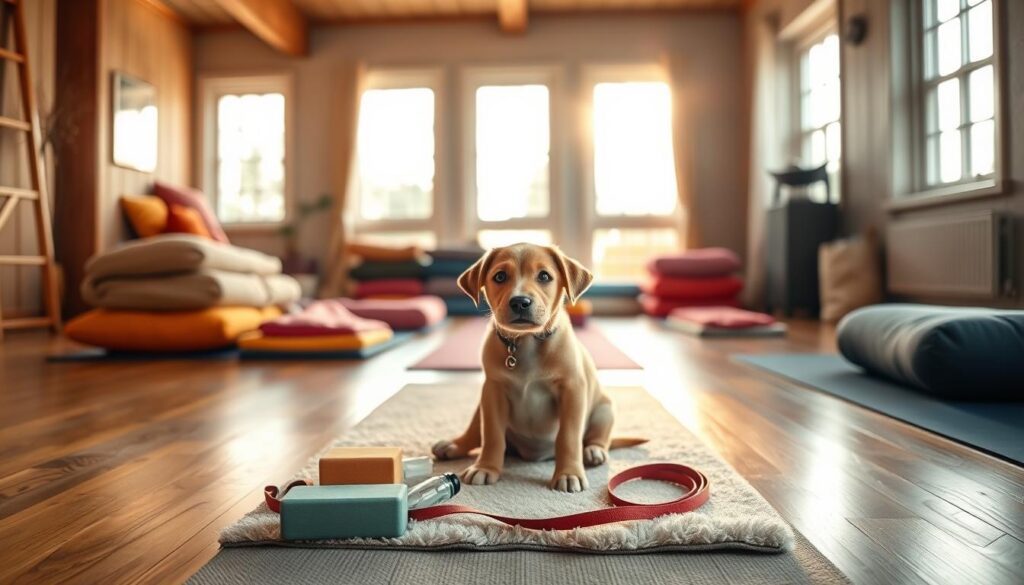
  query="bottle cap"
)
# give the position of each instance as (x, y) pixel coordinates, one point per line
(417, 467)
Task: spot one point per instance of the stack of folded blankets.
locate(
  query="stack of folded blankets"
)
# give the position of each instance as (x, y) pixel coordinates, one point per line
(322, 329)
(696, 278)
(443, 277)
(178, 292)
(613, 299)
(385, 272)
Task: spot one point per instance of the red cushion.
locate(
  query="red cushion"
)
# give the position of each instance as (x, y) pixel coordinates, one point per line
(700, 262)
(711, 287)
(400, 314)
(410, 287)
(661, 307)
(327, 317)
(724, 317)
(185, 197)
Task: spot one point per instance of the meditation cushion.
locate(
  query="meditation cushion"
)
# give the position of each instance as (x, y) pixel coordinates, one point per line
(722, 317)
(955, 352)
(168, 253)
(661, 306)
(400, 314)
(259, 341)
(185, 220)
(147, 214)
(191, 290)
(402, 287)
(384, 253)
(443, 286)
(321, 318)
(373, 270)
(700, 262)
(168, 331)
(677, 287)
(185, 197)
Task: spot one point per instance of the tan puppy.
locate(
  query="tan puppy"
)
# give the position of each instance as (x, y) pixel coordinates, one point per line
(541, 396)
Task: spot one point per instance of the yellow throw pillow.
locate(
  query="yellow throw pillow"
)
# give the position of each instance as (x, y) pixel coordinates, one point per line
(352, 341)
(146, 213)
(212, 328)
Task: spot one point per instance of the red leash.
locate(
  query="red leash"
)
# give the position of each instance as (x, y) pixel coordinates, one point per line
(693, 481)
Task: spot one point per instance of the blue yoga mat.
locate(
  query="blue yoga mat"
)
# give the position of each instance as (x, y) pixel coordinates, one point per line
(354, 354)
(995, 427)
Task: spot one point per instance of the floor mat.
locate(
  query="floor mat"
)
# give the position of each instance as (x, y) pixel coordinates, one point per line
(460, 351)
(353, 354)
(995, 427)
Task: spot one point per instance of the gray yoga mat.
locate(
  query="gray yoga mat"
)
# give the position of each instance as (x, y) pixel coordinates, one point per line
(994, 427)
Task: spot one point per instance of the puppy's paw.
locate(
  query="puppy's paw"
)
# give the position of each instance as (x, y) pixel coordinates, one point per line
(570, 482)
(594, 455)
(444, 450)
(474, 475)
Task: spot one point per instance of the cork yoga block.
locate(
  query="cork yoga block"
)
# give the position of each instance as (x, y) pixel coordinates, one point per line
(361, 465)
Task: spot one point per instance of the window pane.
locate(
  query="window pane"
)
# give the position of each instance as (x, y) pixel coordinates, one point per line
(833, 143)
(424, 239)
(949, 104)
(512, 145)
(981, 98)
(983, 142)
(496, 238)
(946, 9)
(396, 153)
(930, 54)
(949, 156)
(979, 31)
(816, 152)
(634, 172)
(622, 254)
(932, 159)
(250, 158)
(949, 46)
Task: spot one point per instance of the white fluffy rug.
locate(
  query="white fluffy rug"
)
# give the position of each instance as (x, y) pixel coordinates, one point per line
(735, 517)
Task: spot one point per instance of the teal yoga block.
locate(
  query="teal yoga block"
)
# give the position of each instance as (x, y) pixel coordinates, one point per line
(344, 511)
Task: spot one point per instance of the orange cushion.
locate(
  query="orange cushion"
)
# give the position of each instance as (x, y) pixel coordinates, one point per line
(146, 213)
(167, 331)
(185, 220)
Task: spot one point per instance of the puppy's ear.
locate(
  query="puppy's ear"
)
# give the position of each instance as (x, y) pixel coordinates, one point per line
(472, 280)
(575, 278)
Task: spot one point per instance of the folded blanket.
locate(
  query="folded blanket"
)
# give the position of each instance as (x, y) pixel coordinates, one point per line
(375, 270)
(711, 287)
(166, 331)
(722, 317)
(464, 253)
(171, 253)
(321, 318)
(661, 307)
(260, 341)
(611, 290)
(374, 252)
(617, 306)
(444, 286)
(406, 287)
(401, 314)
(197, 290)
(448, 267)
(700, 262)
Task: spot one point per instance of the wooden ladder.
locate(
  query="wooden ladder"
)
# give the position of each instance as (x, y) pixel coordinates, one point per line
(37, 195)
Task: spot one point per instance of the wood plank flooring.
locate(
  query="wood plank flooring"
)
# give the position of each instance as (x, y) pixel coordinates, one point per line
(126, 471)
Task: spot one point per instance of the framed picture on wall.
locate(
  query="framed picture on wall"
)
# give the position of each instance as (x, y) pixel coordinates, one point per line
(135, 123)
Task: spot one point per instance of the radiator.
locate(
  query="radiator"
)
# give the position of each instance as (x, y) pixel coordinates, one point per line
(968, 255)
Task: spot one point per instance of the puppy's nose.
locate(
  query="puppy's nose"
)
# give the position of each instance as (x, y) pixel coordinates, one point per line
(520, 303)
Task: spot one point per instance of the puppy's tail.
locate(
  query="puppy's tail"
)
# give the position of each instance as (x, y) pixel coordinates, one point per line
(623, 442)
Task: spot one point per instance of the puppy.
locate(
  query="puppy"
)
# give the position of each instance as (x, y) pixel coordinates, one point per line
(541, 397)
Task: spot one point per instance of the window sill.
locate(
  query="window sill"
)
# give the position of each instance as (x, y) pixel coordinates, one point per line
(950, 195)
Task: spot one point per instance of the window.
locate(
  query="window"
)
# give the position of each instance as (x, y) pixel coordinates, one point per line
(819, 108)
(958, 87)
(245, 148)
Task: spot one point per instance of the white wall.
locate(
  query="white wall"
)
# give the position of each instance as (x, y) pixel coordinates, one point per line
(710, 40)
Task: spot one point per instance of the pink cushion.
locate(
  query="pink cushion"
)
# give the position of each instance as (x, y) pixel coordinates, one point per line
(661, 307)
(400, 314)
(389, 286)
(724, 317)
(700, 262)
(709, 287)
(185, 197)
(327, 317)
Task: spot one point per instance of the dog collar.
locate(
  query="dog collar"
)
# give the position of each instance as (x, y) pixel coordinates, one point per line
(510, 345)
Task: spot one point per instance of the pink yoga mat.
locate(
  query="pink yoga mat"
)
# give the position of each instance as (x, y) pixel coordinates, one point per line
(461, 350)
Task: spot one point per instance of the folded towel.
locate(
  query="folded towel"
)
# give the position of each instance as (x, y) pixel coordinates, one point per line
(376, 270)
(444, 286)
(463, 253)
(406, 287)
(700, 262)
(320, 319)
(196, 290)
(447, 267)
(401, 314)
(375, 252)
(711, 287)
(661, 307)
(722, 317)
(176, 253)
(257, 340)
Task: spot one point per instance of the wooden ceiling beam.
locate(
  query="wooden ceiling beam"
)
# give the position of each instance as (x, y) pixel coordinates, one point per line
(512, 16)
(276, 22)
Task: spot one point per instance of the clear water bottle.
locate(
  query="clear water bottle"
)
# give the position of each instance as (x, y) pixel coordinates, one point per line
(433, 491)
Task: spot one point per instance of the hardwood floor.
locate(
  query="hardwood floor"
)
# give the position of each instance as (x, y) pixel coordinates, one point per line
(125, 472)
